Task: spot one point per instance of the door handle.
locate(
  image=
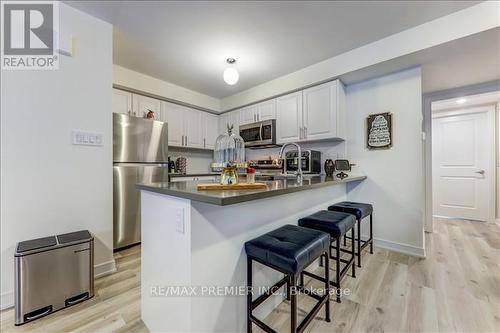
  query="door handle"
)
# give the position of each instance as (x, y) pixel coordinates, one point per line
(481, 172)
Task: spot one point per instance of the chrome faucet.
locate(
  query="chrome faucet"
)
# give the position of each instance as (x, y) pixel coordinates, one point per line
(298, 173)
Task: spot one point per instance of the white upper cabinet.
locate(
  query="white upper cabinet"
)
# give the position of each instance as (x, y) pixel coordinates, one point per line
(192, 128)
(122, 101)
(174, 115)
(142, 105)
(289, 118)
(211, 130)
(248, 115)
(266, 110)
(229, 118)
(316, 113)
(258, 112)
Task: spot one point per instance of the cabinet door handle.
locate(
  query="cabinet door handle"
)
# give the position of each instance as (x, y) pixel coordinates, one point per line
(204, 143)
(186, 140)
(305, 132)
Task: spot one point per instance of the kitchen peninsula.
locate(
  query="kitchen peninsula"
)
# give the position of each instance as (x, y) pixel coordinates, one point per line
(194, 238)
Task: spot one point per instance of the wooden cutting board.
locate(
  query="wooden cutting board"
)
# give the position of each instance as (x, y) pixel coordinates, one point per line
(237, 187)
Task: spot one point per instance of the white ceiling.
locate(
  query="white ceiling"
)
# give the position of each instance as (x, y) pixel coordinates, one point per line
(187, 43)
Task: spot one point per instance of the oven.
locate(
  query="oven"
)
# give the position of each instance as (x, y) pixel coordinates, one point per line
(260, 135)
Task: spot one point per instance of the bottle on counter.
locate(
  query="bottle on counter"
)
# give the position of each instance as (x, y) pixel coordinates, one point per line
(250, 175)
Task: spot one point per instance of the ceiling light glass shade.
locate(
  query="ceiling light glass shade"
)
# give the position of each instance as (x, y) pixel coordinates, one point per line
(231, 76)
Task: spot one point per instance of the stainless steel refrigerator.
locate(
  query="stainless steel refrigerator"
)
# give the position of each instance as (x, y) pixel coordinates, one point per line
(140, 154)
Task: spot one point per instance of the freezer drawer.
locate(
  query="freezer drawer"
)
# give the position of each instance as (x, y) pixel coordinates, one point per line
(127, 199)
(52, 273)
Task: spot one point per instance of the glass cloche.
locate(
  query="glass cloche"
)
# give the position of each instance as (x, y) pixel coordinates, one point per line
(229, 155)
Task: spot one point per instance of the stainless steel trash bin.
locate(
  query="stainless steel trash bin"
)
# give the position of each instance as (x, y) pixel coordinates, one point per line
(52, 273)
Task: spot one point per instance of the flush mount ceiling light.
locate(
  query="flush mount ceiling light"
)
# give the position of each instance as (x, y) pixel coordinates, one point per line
(231, 75)
(461, 100)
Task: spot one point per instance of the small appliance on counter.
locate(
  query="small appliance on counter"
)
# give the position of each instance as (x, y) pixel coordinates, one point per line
(52, 273)
(269, 167)
(342, 165)
(310, 161)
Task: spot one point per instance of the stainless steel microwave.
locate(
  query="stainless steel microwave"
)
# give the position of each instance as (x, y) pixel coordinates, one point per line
(261, 134)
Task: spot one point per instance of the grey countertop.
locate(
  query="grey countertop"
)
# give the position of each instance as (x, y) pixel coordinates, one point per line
(188, 189)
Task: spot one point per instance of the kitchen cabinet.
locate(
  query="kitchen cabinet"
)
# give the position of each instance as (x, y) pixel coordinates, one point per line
(211, 130)
(258, 112)
(229, 118)
(193, 128)
(289, 118)
(316, 113)
(122, 101)
(143, 104)
(184, 125)
(324, 112)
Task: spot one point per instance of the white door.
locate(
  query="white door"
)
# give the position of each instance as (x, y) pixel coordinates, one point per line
(122, 101)
(143, 104)
(174, 115)
(289, 118)
(266, 110)
(463, 162)
(211, 130)
(320, 111)
(248, 115)
(192, 128)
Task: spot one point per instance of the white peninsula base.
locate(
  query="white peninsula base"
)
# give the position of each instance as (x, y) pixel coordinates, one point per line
(188, 243)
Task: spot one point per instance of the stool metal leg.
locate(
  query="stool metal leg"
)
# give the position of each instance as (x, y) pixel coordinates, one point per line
(353, 253)
(327, 286)
(371, 233)
(293, 305)
(345, 240)
(249, 294)
(337, 267)
(359, 242)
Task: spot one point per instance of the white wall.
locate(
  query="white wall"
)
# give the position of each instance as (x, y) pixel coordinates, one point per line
(49, 186)
(135, 80)
(395, 183)
(472, 20)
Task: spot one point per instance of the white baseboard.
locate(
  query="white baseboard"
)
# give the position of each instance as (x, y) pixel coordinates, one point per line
(7, 300)
(401, 248)
(105, 268)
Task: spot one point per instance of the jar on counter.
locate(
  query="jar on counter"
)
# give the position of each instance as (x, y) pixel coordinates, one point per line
(250, 175)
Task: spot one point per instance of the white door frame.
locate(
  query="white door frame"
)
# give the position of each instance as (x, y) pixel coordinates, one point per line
(475, 96)
(475, 105)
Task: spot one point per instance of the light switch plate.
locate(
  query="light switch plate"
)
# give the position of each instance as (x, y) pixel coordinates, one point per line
(179, 220)
(86, 138)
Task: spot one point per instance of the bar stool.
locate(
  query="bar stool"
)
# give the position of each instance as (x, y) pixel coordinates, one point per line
(289, 250)
(337, 224)
(360, 211)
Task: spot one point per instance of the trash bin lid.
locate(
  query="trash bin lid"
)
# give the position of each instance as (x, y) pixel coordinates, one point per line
(35, 244)
(74, 236)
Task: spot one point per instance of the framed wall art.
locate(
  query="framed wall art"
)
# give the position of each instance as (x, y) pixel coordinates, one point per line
(379, 131)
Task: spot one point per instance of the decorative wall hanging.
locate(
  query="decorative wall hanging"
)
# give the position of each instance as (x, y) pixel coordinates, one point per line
(379, 131)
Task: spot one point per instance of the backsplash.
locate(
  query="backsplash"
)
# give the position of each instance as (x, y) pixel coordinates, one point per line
(198, 161)
(333, 150)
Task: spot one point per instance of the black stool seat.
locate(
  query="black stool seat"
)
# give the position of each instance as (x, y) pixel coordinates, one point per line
(289, 248)
(360, 210)
(335, 223)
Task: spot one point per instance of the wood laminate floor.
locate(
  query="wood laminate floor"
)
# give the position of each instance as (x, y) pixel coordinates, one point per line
(455, 289)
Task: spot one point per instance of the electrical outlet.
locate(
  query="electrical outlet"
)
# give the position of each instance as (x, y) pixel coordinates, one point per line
(179, 220)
